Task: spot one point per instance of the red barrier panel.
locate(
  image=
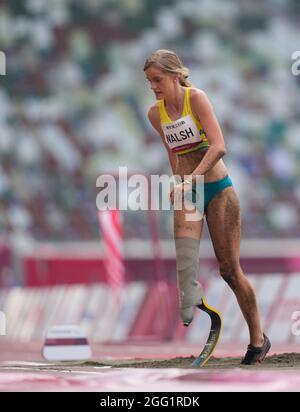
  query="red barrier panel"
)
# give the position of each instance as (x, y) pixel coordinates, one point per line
(60, 270)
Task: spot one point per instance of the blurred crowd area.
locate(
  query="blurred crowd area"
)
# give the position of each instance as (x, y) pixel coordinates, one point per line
(74, 102)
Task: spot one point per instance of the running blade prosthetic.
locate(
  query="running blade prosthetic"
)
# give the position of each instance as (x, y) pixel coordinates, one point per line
(213, 337)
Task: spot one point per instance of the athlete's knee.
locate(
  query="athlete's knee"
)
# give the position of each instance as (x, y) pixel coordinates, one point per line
(230, 272)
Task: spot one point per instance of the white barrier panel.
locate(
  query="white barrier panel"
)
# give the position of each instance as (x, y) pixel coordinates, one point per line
(30, 312)
(278, 297)
(287, 303)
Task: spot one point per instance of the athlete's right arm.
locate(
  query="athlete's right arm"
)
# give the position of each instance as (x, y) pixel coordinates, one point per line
(154, 118)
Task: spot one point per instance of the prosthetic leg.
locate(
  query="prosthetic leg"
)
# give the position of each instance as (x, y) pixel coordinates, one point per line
(191, 294)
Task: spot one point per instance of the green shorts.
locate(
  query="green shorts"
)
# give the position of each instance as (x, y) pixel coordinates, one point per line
(211, 189)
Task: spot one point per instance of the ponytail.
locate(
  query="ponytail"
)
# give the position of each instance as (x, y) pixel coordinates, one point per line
(183, 76)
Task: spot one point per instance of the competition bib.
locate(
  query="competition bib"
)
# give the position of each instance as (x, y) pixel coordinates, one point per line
(181, 134)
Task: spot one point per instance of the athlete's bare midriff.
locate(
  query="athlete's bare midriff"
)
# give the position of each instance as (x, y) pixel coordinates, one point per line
(187, 163)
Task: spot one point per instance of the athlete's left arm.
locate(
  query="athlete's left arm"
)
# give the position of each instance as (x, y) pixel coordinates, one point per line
(203, 110)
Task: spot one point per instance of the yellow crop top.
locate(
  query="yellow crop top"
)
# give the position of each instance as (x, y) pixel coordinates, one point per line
(186, 134)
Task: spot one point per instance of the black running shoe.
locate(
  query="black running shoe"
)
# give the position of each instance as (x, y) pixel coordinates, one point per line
(256, 355)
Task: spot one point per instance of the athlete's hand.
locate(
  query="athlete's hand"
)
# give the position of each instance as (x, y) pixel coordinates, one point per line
(180, 190)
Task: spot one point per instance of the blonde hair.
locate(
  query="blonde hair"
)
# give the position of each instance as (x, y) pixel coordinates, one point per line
(168, 61)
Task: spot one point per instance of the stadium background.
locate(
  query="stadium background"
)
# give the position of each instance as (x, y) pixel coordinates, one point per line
(73, 106)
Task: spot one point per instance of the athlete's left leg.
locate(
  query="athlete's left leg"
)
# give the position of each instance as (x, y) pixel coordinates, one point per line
(224, 224)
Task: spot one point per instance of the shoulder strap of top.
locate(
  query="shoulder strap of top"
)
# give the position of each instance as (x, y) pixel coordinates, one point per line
(164, 118)
(187, 103)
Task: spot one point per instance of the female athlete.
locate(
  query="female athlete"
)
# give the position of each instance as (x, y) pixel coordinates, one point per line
(184, 118)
